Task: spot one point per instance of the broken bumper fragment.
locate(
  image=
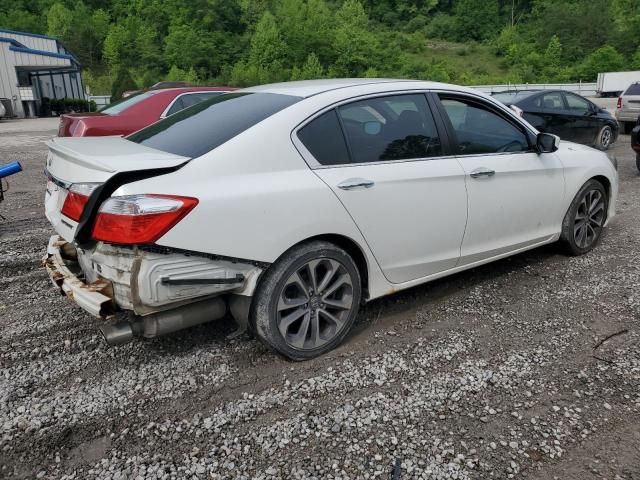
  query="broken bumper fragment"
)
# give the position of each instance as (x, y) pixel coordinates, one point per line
(61, 263)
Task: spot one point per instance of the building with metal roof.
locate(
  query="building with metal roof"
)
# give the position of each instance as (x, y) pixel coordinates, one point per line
(35, 67)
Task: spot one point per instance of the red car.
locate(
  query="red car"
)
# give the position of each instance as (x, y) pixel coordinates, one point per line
(135, 112)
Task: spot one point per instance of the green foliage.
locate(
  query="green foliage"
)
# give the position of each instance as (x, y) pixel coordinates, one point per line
(476, 19)
(129, 44)
(605, 59)
(311, 69)
(123, 82)
(71, 105)
(176, 74)
(354, 44)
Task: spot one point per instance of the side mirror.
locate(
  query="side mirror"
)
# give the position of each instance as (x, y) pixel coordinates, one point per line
(547, 143)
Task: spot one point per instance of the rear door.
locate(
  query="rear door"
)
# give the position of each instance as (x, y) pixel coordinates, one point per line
(385, 159)
(514, 193)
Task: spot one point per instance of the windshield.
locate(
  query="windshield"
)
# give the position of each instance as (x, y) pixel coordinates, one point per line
(204, 126)
(121, 105)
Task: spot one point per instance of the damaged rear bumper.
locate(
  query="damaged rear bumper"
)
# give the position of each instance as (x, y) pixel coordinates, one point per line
(166, 291)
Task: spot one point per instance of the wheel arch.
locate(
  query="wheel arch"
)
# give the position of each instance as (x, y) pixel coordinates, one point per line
(353, 249)
(606, 183)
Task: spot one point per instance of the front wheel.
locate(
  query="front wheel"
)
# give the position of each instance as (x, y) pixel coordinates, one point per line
(584, 221)
(307, 301)
(605, 137)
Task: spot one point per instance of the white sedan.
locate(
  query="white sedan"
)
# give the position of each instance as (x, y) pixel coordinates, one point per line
(289, 205)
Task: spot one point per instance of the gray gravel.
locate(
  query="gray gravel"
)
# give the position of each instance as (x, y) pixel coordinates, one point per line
(487, 374)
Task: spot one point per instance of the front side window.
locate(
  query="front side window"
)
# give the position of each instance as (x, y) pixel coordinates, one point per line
(479, 130)
(390, 128)
(577, 104)
(199, 129)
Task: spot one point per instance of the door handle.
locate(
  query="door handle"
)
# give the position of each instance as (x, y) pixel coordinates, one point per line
(353, 183)
(482, 172)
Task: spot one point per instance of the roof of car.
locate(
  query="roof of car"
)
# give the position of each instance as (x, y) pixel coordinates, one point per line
(190, 89)
(308, 88)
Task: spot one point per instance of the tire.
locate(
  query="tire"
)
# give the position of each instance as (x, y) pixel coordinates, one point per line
(627, 127)
(604, 138)
(638, 161)
(584, 221)
(294, 320)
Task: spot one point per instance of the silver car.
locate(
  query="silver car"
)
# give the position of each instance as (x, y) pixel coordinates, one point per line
(628, 107)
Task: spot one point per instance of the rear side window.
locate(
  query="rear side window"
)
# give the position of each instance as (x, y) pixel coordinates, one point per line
(634, 89)
(398, 127)
(323, 138)
(479, 130)
(200, 128)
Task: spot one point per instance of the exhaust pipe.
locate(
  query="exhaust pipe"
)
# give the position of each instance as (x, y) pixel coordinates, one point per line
(162, 323)
(184, 317)
(117, 333)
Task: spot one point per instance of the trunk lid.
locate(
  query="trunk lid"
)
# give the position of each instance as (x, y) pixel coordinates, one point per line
(70, 121)
(93, 160)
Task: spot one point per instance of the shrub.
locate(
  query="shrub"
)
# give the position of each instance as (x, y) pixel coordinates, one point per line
(71, 105)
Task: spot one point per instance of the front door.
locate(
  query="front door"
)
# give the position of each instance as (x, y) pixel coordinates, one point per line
(514, 193)
(584, 123)
(408, 199)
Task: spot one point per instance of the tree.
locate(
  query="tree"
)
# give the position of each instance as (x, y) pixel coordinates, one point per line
(476, 19)
(604, 59)
(310, 70)
(354, 44)
(268, 50)
(122, 83)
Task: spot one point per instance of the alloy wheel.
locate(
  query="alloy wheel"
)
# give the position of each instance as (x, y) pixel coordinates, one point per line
(314, 304)
(605, 137)
(589, 218)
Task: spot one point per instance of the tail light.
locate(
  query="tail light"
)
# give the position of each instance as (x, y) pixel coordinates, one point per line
(77, 198)
(619, 105)
(140, 219)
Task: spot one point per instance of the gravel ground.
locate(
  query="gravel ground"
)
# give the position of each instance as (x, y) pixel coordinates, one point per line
(490, 373)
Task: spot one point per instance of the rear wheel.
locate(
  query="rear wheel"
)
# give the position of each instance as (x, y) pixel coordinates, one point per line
(638, 161)
(605, 136)
(307, 301)
(584, 221)
(627, 127)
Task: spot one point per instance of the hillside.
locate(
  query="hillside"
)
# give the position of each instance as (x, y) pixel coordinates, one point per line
(127, 44)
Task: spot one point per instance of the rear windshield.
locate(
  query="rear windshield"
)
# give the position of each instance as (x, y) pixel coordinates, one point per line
(634, 89)
(125, 103)
(511, 97)
(200, 128)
